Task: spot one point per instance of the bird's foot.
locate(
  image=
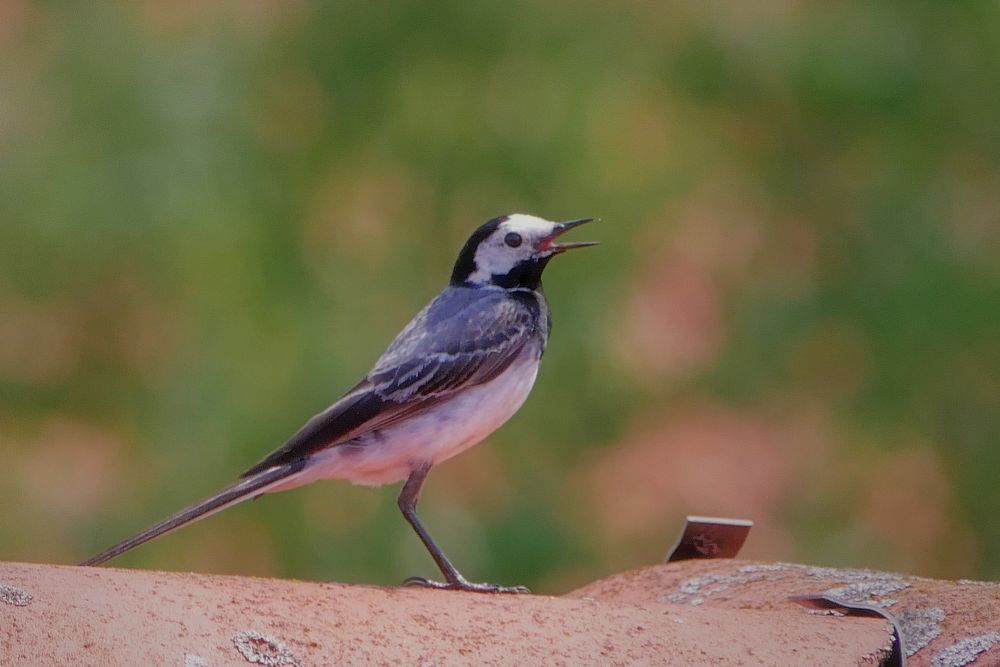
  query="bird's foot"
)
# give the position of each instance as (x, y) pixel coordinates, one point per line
(460, 584)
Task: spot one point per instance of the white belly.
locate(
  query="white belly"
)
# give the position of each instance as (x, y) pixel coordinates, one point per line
(449, 428)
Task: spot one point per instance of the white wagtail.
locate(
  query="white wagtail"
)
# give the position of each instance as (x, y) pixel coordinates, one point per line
(459, 370)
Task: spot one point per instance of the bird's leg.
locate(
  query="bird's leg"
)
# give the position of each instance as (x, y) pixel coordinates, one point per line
(455, 581)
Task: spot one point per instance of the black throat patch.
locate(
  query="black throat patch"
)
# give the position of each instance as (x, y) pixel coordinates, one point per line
(527, 274)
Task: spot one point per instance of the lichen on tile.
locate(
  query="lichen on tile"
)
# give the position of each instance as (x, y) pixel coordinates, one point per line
(861, 586)
(868, 592)
(262, 649)
(919, 627)
(965, 651)
(15, 596)
(694, 591)
(765, 567)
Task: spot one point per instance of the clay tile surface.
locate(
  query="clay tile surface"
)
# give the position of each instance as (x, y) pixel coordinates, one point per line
(943, 623)
(57, 615)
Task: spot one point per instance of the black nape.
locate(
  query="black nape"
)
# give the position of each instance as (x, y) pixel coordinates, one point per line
(465, 265)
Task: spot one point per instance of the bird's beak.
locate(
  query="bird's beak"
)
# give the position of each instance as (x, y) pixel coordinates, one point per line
(548, 244)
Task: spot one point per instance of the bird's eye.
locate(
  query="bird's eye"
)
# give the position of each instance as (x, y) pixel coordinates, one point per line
(513, 239)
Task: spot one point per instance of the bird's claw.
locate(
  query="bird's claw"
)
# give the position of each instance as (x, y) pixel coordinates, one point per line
(463, 585)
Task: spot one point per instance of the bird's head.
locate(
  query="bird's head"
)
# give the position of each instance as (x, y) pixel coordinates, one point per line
(512, 251)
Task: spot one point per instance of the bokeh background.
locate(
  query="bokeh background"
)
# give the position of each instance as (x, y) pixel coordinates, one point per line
(214, 216)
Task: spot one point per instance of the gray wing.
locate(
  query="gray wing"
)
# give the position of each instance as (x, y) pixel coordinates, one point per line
(464, 337)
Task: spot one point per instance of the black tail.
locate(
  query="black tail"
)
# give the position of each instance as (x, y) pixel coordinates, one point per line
(232, 494)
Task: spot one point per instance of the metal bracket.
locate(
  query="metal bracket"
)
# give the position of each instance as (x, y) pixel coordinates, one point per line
(710, 537)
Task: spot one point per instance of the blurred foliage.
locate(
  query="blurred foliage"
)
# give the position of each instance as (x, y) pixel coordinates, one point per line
(214, 216)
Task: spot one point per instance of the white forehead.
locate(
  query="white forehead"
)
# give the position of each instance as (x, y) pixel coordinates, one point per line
(528, 225)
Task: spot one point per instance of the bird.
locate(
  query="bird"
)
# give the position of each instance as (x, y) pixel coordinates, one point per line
(458, 371)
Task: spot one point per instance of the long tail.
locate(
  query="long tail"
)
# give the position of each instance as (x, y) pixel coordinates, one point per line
(231, 495)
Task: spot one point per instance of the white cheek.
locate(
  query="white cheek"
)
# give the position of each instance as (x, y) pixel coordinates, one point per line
(493, 260)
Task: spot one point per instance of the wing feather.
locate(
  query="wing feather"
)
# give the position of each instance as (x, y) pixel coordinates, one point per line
(461, 339)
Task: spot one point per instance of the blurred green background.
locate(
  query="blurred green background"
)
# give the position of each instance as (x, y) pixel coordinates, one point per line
(214, 216)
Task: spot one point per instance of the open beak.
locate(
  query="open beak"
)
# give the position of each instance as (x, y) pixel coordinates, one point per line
(548, 243)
